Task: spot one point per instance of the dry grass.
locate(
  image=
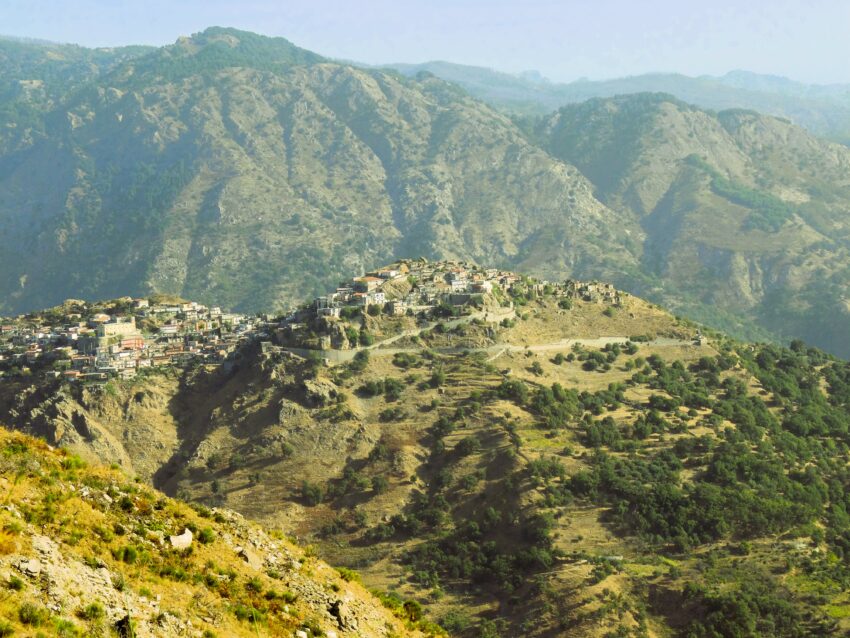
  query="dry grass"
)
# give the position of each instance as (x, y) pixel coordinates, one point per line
(125, 533)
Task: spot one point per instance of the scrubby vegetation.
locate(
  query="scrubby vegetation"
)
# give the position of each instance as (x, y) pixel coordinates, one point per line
(94, 520)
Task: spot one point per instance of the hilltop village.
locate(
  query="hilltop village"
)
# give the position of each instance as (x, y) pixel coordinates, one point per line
(92, 343)
(422, 291)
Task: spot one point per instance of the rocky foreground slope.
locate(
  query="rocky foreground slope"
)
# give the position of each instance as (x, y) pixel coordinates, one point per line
(86, 551)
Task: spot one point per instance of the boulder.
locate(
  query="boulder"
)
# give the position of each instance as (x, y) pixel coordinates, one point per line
(250, 557)
(344, 615)
(31, 567)
(181, 541)
(319, 392)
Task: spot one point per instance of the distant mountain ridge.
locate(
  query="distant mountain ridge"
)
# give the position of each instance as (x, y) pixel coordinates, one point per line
(823, 109)
(743, 212)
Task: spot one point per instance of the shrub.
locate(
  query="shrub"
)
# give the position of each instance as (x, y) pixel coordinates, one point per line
(380, 484)
(254, 585)
(127, 554)
(456, 622)
(438, 378)
(371, 388)
(206, 536)
(360, 361)
(468, 445)
(73, 462)
(91, 612)
(348, 575)
(393, 389)
(65, 629)
(404, 360)
(391, 414)
(312, 493)
(244, 612)
(412, 610)
(31, 614)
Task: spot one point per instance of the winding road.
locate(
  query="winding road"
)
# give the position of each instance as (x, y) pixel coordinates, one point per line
(495, 351)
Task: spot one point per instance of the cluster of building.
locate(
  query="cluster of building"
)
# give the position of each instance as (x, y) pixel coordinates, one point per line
(592, 292)
(452, 282)
(94, 347)
(83, 345)
(413, 287)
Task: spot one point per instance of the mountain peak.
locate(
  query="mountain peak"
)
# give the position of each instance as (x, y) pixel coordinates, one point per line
(218, 48)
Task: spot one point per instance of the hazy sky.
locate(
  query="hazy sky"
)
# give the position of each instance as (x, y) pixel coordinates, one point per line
(802, 39)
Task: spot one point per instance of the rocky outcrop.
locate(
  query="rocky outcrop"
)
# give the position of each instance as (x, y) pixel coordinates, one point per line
(102, 558)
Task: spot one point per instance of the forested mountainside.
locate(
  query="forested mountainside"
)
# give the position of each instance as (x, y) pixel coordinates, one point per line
(822, 109)
(533, 462)
(245, 171)
(36, 75)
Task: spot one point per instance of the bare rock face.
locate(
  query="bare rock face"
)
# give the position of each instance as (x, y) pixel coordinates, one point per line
(319, 392)
(250, 557)
(72, 584)
(288, 409)
(339, 340)
(344, 615)
(98, 587)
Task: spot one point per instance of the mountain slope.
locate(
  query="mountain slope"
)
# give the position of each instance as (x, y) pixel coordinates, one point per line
(194, 170)
(35, 77)
(244, 171)
(742, 212)
(84, 550)
(524, 468)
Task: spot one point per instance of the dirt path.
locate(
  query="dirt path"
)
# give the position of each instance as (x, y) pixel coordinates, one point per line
(495, 351)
